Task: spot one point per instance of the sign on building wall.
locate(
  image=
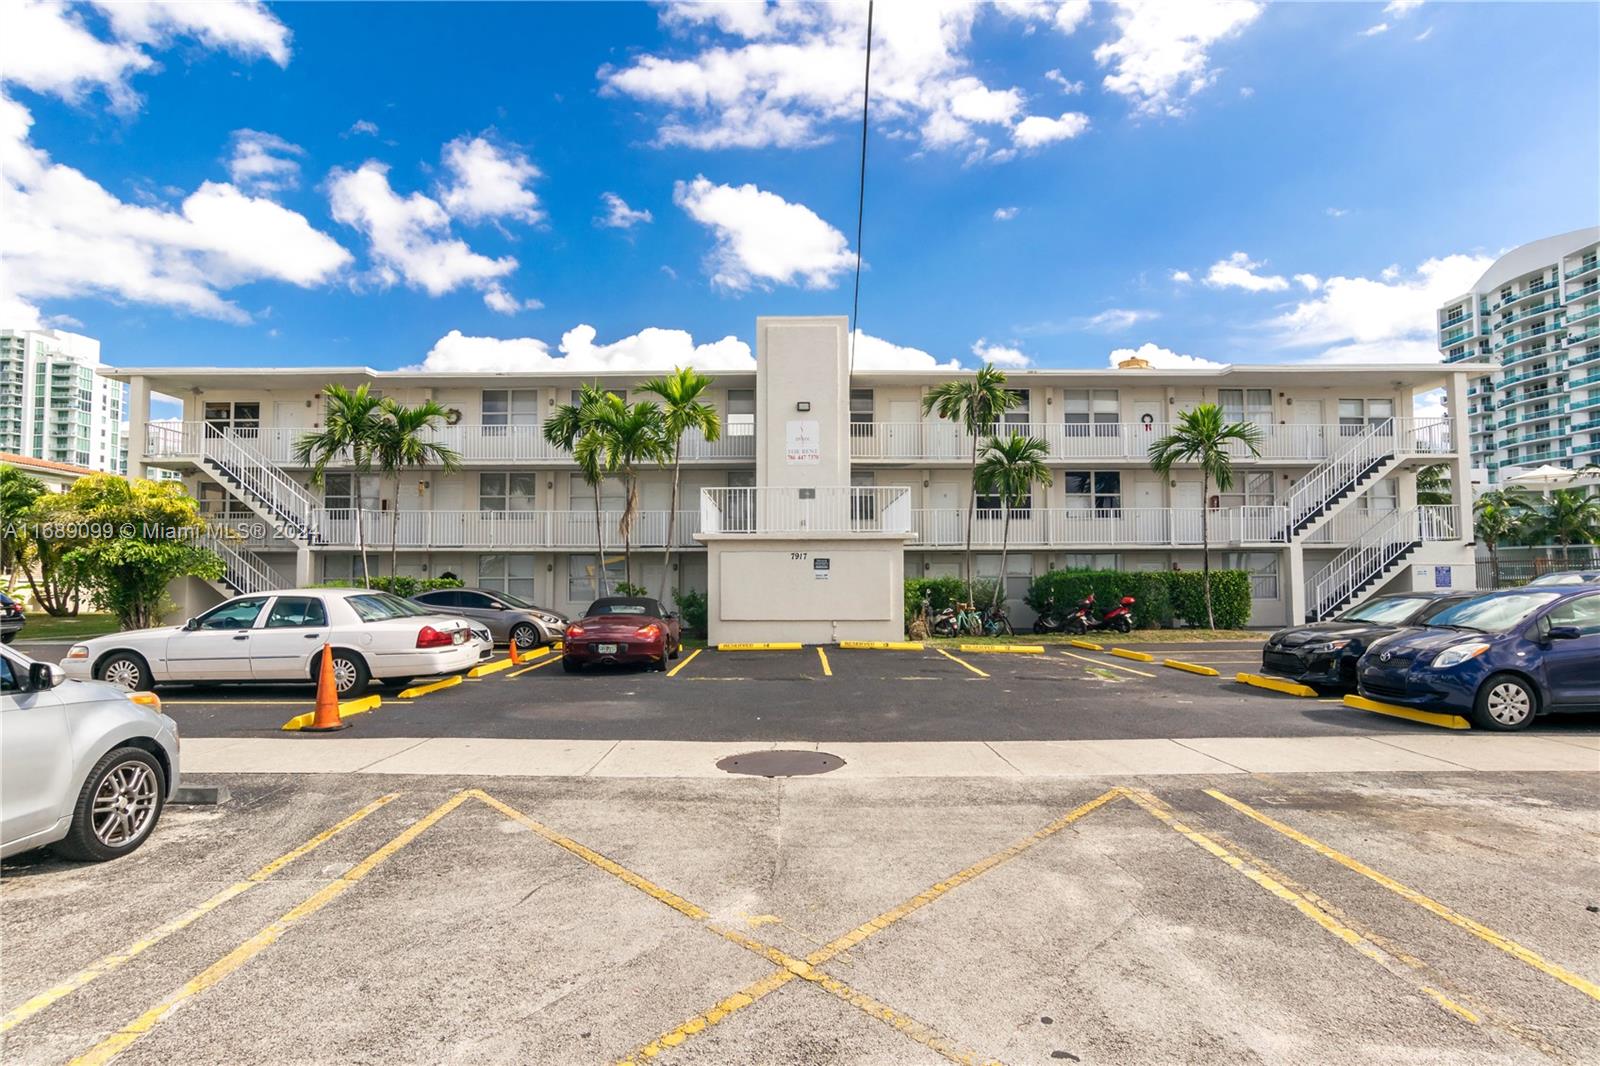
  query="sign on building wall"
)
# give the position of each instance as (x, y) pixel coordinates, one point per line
(803, 442)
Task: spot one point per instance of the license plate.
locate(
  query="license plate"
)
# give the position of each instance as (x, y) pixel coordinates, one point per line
(459, 637)
(606, 649)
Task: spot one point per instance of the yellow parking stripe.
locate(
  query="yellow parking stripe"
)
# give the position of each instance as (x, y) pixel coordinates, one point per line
(674, 671)
(1456, 918)
(432, 686)
(762, 646)
(1162, 813)
(827, 671)
(104, 966)
(882, 645)
(536, 666)
(125, 1037)
(1114, 666)
(963, 662)
(1004, 649)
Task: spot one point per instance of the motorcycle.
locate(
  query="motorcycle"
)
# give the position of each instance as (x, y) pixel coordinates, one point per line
(1119, 618)
(1048, 621)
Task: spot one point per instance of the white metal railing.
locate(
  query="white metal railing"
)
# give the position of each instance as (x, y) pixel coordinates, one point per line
(946, 441)
(781, 509)
(243, 570)
(1434, 521)
(1343, 578)
(1038, 527)
(1378, 441)
(500, 530)
(258, 477)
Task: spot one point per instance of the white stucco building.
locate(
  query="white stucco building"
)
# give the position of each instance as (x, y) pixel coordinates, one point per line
(1528, 332)
(809, 452)
(53, 404)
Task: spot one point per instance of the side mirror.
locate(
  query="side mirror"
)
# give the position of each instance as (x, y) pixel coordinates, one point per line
(1564, 633)
(41, 677)
(191, 625)
(496, 605)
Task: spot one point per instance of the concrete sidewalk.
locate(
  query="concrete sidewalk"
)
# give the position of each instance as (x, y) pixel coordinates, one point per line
(1003, 759)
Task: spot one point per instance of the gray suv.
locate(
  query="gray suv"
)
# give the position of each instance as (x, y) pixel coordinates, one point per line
(508, 617)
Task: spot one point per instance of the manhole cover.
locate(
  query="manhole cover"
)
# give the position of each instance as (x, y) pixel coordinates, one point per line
(780, 763)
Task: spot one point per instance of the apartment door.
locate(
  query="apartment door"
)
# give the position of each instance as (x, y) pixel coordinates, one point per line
(947, 513)
(286, 426)
(904, 431)
(1311, 436)
(1186, 503)
(447, 519)
(1146, 425)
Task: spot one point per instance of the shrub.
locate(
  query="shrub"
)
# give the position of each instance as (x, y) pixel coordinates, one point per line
(694, 607)
(944, 592)
(625, 589)
(1230, 597)
(1152, 606)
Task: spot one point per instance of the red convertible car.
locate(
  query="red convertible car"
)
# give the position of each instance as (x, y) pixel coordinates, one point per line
(622, 629)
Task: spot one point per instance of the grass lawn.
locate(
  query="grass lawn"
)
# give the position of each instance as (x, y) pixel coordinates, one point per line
(1138, 636)
(42, 626)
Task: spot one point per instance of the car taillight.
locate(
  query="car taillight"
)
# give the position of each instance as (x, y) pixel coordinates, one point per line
(574, 631)
(429, 637)
(650, 632)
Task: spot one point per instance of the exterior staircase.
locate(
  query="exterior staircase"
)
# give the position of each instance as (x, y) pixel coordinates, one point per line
(1368, 456)
(259, 482)
(1362, 569)
(244, 571)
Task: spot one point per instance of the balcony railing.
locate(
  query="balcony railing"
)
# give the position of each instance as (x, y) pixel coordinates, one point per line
(948, 442)
(1576, 294)
(1531, 290)
(785, 510)
(1038, 527)
(500, 530)
(1528, 313)
(1583, 268)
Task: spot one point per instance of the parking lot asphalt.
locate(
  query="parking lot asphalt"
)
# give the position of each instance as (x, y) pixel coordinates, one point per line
(840, 695)
(1317, 919)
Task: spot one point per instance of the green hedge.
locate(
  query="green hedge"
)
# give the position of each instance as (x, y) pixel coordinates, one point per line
(1161, 597)
(1230, 597)
(694, 608)
(404, 585)
(943, 592)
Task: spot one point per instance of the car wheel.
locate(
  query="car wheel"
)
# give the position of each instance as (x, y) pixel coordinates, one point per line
(570, 665)
(118, 807)
(350, 676)
(677, 649)
(1505, 703)
(660, 665)
(524, 636)
(126, 671)
(7, 638)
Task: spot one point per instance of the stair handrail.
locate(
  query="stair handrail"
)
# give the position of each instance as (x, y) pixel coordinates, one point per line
(1325, 480)
(259, 476)
(243, 568)
(1354, 566)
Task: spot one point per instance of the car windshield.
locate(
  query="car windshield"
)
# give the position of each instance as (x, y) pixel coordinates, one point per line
(1562, 579)
(1492, 614)
(381, 607)
(600, 608)
(1385, 611)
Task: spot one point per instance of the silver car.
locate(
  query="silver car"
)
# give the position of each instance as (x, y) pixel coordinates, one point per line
(83, 765)
(508, 617)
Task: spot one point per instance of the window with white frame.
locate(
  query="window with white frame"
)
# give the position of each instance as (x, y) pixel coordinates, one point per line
(1356, 415)
(1255, 489)
(860, 410)
(1246, 405)
(341, 568)
(1262, 568)
(510, 407)
(741, 419)
(580, 494)
(217, 502)
(1383, 497)
(506, 491)
(989, 505)
(1093, 490)
(1092, 561)
(581, 577)
(1090, 412)
(337, 492)
(1019, 414)
(507, 573)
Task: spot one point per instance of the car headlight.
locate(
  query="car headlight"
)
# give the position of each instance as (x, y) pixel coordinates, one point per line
(550, 619)
(78, 651)
(1321, 649)
(1460, 653)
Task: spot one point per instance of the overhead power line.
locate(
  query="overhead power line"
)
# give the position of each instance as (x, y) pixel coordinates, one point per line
(861, 192)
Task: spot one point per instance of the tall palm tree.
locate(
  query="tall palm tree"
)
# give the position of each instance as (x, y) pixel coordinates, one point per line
(1433, 485)
(682, 409)
(1201, 436)
(401, 443)
(350, 420)
(1010, 467)
(625, 436)
(1497, 517)
(1569, 516)
(570, 424)
(976, 403)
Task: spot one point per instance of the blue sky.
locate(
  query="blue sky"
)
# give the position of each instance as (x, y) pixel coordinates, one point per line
(389, 184)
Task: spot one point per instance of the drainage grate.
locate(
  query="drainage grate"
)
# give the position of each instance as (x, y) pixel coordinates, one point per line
(780, 763)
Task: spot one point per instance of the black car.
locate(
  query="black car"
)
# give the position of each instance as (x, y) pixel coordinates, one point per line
(11, 618)
(1325, 653)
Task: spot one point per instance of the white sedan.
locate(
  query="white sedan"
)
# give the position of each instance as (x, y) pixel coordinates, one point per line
(278, 636)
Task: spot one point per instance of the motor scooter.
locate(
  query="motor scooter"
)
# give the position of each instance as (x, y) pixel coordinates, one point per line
(1048, 621)
(1119, 618)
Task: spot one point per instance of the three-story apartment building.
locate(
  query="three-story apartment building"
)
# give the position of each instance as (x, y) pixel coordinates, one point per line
(1326, 514)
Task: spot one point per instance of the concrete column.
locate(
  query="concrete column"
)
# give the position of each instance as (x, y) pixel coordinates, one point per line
(305, 567)
(803, 388)
(1295, 576)
(1455, 405)
(138, 416)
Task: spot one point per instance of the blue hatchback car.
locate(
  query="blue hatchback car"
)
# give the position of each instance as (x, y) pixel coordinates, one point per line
(1500, 659)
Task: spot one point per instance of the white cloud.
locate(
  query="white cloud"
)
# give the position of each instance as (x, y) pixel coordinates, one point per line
(1424, 35)
(1238, 271)
(66, 236)
(410, 237)
(1308, 282)
(1379, 320)
(362, 126)
(1374, 30)
(619, 215)
(502, 302)
(1159, 59)
(1001, 355)
(875, 353)
(1005, 214)
(790, 75)
(1064, 83)
(1037, 130)
(244, 27)
(1116, 319)
(1428, 405)
(1401, 8)
(264, 163)
(1163, 358)
(1182, 277)
(489, 182)
(648, 350)
(763, 239)
(1335, 212)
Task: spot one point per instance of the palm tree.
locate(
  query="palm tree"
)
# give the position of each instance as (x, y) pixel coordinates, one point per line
(1010, 467)
(625, 435)
(350, 427)
(1433, 485)
(571, 424)
(975, 402)
(1569, 516)
(401, 444)
(682, 409)
(1497, 517)
(1200, 436)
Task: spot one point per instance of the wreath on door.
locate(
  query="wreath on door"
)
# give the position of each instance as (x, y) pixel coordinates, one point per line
(452, 416)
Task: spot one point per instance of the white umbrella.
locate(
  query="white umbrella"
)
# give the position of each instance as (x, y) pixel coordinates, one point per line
(1550, 477)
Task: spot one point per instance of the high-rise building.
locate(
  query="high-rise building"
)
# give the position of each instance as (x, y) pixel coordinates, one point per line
(1530, 331)
(53, 404)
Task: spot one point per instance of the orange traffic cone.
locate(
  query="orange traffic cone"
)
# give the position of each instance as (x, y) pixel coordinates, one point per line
(326, 716)
(516, 660)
